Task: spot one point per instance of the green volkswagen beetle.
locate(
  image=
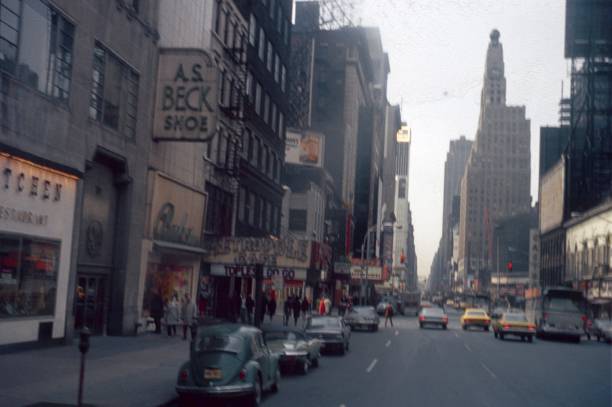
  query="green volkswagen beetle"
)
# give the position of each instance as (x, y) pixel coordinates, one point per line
(228, 360)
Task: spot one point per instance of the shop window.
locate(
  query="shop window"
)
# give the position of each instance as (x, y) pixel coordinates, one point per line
(36, 45)
(218, 212)
(297, 220)
(114, 92)
(28, 276)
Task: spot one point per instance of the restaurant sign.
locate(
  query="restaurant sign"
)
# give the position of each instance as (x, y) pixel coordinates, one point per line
(186, 96)
(241, 271)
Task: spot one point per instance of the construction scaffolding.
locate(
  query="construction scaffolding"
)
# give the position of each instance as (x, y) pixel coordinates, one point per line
(589, 46)
(311, 17)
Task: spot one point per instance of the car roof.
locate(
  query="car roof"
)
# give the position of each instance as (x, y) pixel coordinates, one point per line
(269, 329)
(228, 329)
(475, 310)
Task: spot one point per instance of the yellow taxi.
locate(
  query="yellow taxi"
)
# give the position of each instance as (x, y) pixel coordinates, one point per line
(514, 323)
(475, 317)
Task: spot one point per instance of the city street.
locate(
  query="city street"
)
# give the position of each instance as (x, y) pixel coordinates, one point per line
(404, 366)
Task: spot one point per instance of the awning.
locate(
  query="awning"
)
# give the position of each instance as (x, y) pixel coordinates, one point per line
(178, 247)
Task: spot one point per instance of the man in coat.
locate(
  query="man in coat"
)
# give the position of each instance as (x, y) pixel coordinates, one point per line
(189, 315)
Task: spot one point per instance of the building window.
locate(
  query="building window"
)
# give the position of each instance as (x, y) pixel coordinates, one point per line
(249, 86)
(268, 217)
(258, 99)
(250, 146)
(270, 58)
(255, 157)
(262, 44)
(276, 68)
(272, 9)
(402, 189)
(222, 150)
(279, 18)
(218, 212)
(286, 32)
(273, 118)
(36, 46)
(251, 209)
(281, 125)
(114, 93)
(252, 29)
(259, 212)
(297, 220)
(227, 28)
(242, 204)
(29, 276)
(260, 153)
(266, 111)
(283, 78)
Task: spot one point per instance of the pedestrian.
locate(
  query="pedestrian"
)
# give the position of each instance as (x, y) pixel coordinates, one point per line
(272, 306)
(388, 314)
(295, 304)
(305, 308)
(287, 306)
(156, 309)
(189, 315)
(264, 307)
(243, 308)
(321, 306)
(328, 306)
(250, 304)
(172, 315)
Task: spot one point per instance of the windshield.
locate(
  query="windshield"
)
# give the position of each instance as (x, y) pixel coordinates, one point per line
(283, 336)
(320, 323)
(364, 311)
(515, 317)
(561, 305)
(434, 312)
(215, 343)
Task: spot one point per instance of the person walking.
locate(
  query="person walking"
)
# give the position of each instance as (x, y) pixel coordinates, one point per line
(156, 310)
(264, 307)
(296, 310)
(305, 309)
(243, 308)
(250, 304)
(272, 307)
(287, 310)
(328, 306)
(189, 315)
(172, 315)
(388, 314)
(321, 306)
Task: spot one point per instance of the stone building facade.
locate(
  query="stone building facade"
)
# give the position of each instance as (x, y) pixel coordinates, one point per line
(497, 177)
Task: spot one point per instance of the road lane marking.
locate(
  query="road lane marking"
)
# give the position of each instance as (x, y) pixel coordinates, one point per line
(374, 362)
(467, 347)
(342, 405)
(388, 343)
(396, 333)
(488, 370)
(456, 334)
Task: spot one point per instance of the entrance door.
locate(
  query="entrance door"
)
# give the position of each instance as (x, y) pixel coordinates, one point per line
(89, 303)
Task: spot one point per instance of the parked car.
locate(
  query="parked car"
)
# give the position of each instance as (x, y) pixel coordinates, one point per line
(228, 360)
(332, 331)
(362, 317)
(295, 351)
(513, 323)
(475, 317)
(433, 316)
(602, 330)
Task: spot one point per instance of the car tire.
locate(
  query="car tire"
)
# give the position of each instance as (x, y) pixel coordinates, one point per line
(530, 338)
(501, 336)
(464, 327)
(257, 394)
(342, 351)
(420, 325)
(495, 334)
(486, 328)
(444, 327)
(577, 339)
(375, 328)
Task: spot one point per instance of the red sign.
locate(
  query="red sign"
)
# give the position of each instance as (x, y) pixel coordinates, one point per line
(509, 266)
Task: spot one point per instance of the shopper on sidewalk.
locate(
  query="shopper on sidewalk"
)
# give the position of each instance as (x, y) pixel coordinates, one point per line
(296, 310)
(156, 309)
(272, 306)
(250, 305)
(287, 306)
(328, 306)
(172, 315)
(189, 315)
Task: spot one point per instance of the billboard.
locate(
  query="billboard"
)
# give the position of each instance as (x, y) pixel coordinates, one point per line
(304, 148)
(404, 134)
(551, 197)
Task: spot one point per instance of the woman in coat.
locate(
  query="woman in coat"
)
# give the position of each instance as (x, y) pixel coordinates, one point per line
(172, 315)
(189, 315)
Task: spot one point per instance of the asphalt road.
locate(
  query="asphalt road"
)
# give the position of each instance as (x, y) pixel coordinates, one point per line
(406, 366)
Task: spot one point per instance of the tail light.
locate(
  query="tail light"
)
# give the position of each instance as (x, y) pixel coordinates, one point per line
(506, 326)
(242, 375)
(183, 375)
(531, 327)
(421, 318)
(445, 319)
(584, 318)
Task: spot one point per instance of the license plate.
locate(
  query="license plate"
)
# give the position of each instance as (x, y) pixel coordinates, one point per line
(213, 374)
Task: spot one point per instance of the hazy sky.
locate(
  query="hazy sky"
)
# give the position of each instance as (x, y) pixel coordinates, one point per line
(437, 52)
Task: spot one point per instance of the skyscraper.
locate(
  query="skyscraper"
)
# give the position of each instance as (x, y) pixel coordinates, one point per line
(497, 176)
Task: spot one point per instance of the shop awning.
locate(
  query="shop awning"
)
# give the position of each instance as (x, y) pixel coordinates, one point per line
(177, 247)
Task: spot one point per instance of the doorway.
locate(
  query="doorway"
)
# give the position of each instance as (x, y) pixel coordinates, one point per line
(89, 303)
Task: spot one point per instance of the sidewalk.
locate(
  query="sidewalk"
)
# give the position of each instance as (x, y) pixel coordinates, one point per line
(119, 371)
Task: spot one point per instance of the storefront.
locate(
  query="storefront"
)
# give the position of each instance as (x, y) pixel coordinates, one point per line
(230, 265)
(364, 277)
(173, 248)
(37, 209)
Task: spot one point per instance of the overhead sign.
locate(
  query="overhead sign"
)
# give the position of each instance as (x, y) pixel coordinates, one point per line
(186, 97)
(304, 148)
(404, 134)
(369, 272)
(284, 253)
(242, 271)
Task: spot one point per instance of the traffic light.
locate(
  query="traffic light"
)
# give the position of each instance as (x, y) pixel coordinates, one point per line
(509, 265)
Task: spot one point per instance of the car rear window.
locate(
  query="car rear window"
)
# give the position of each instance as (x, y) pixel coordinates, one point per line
(515, 317)
(282, 336)
(476, 313)
(434, 312)
(317, 323)
(562, 305)
(215, 343)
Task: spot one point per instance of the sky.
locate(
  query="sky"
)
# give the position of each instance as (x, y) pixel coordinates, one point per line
(437, 53)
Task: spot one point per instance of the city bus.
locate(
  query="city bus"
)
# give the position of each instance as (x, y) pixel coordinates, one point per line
(557, 312)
